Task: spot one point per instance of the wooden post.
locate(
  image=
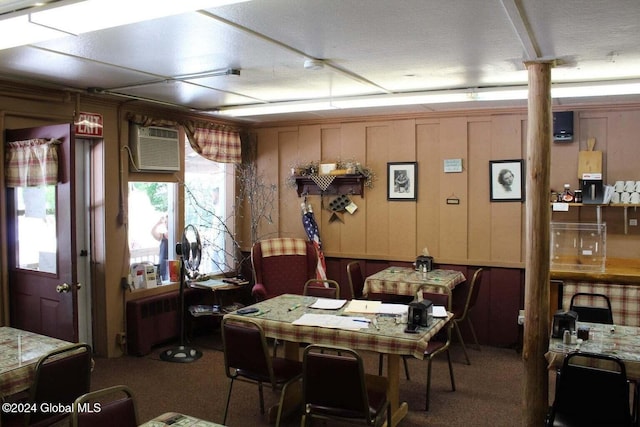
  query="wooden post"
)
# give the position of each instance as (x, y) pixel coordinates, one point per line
(536, 303)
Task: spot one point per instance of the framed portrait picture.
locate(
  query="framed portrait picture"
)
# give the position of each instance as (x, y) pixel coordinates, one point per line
(506, 180)
(402, 181)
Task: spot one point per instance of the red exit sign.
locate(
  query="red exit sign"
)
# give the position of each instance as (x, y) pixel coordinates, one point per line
(89, 125)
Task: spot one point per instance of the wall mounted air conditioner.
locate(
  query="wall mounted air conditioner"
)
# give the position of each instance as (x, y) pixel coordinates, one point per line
(154, 149)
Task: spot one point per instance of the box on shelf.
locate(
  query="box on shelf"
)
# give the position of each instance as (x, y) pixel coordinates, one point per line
(578, 246)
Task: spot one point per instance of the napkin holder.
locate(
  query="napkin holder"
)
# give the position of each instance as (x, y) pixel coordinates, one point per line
(420, 313)
(563, 320)
(426, 261)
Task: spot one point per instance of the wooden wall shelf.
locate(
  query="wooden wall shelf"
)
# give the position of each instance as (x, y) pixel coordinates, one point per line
(342, 184)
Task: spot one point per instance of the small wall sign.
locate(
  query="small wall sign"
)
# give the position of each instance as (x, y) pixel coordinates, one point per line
(452, 165)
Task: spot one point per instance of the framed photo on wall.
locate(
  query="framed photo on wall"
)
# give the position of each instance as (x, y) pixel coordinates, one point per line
(402, 180)
(506, 180)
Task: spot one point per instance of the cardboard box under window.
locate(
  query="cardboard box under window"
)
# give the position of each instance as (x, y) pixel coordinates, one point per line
(578, 246)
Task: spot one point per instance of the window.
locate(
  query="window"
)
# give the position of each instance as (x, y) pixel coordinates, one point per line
(208, 192)
(36, 230)
(152, 232)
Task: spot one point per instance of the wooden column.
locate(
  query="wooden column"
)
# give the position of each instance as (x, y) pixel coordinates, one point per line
(538, 215)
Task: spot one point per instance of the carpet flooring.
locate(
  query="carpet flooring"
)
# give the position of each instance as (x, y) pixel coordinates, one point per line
(488, 392)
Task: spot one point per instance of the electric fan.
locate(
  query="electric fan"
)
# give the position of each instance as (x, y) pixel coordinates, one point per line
(189, 250)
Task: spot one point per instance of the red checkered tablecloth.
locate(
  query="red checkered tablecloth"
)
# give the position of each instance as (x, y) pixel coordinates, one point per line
(276, 314)
(406, 281)
(19, 352)
(625, 299)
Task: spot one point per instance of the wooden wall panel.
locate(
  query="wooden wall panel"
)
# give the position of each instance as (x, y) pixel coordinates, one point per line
(353, 231)
(429, 176)
(477, 170)
(290, 144)
(453, 218)
(378, 149)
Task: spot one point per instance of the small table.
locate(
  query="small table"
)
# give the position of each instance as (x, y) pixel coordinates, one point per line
(19, 352)
(276, 315)
(407, 281)
(175, 419)
(623, 342)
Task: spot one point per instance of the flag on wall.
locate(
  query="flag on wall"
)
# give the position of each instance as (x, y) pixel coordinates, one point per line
(311, 228)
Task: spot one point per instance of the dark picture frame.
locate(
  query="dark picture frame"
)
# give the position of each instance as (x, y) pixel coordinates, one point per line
(402, 181)
(506, 179)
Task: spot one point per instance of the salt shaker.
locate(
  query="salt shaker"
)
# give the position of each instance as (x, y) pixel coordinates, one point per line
(566, 337)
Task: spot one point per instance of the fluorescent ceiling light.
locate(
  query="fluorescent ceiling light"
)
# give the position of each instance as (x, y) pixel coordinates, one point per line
(77, 17)
(563, 90)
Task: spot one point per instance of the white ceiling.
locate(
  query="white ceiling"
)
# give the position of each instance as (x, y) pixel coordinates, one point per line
(369, 47)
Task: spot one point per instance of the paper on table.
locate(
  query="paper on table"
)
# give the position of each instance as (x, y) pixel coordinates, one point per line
(210, 283)
(363, 306)
(439, 311)
(328, 303)
(332, 321)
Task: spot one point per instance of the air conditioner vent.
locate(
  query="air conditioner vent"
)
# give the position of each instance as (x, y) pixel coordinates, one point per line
(154, 149)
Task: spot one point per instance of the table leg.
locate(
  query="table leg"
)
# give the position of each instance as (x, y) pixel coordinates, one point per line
(398, 410)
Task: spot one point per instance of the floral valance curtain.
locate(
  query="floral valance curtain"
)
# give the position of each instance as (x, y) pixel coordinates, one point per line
(219, 143)
(31, 163)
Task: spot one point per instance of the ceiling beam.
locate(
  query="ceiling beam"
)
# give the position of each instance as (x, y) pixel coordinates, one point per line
(522, 29)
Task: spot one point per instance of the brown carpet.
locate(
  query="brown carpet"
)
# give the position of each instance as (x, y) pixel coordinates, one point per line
(488, 392)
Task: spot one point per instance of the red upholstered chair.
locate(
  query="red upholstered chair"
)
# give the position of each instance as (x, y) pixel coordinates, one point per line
(117, 407)
(282, 266)
(356, 279)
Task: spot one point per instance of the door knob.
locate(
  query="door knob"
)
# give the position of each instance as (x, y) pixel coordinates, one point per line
(65, 287)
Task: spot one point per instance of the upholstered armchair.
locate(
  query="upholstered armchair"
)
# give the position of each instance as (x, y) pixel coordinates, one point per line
(282, 266)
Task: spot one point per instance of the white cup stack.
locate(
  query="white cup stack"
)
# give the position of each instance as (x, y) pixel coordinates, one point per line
(626, 192)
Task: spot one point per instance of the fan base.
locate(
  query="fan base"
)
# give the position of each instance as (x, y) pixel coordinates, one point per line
(181, 354)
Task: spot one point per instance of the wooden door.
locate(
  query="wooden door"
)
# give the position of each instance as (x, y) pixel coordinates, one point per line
(41, 245)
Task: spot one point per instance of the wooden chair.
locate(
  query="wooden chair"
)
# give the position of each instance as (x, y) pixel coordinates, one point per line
(281, 266)
(117, 407)
(601, 312)
(61, 376)
(465, 297)
(323, 288)
(439, 343)
(356, 279)
(335, 387)
(590, 393)
(246, 358)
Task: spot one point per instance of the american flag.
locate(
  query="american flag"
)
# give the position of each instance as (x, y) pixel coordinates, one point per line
(311, 228)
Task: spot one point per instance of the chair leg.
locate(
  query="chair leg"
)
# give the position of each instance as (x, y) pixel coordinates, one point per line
(426, 405)
(453, 383)
(456, 326)
(226, 408)
(261, 398)
(406, 368)
(380, 365)
(473, 331)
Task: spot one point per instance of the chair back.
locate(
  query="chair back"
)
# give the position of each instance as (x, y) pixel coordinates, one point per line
(356, 279)
(465, 296)
(117, 408)
(324, 288)
(246, 351)
(343, 393)
(282, 266)
(592, 307)
(61, 376)
(591, 389)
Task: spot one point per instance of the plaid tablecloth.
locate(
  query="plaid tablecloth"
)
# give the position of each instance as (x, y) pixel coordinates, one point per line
(406, 281)
(625, 299)
(276, 314)
(19, 352)
(623, 342)
(175, 419)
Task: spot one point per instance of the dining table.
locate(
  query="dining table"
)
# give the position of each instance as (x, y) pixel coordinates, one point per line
(614, 340)
(19, 352)
(176, 419)
(381, 331)
(407, 281)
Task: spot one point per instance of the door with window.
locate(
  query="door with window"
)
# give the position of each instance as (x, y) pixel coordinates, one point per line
(41, 242)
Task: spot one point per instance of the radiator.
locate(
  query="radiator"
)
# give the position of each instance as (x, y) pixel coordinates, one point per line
(151, 321)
